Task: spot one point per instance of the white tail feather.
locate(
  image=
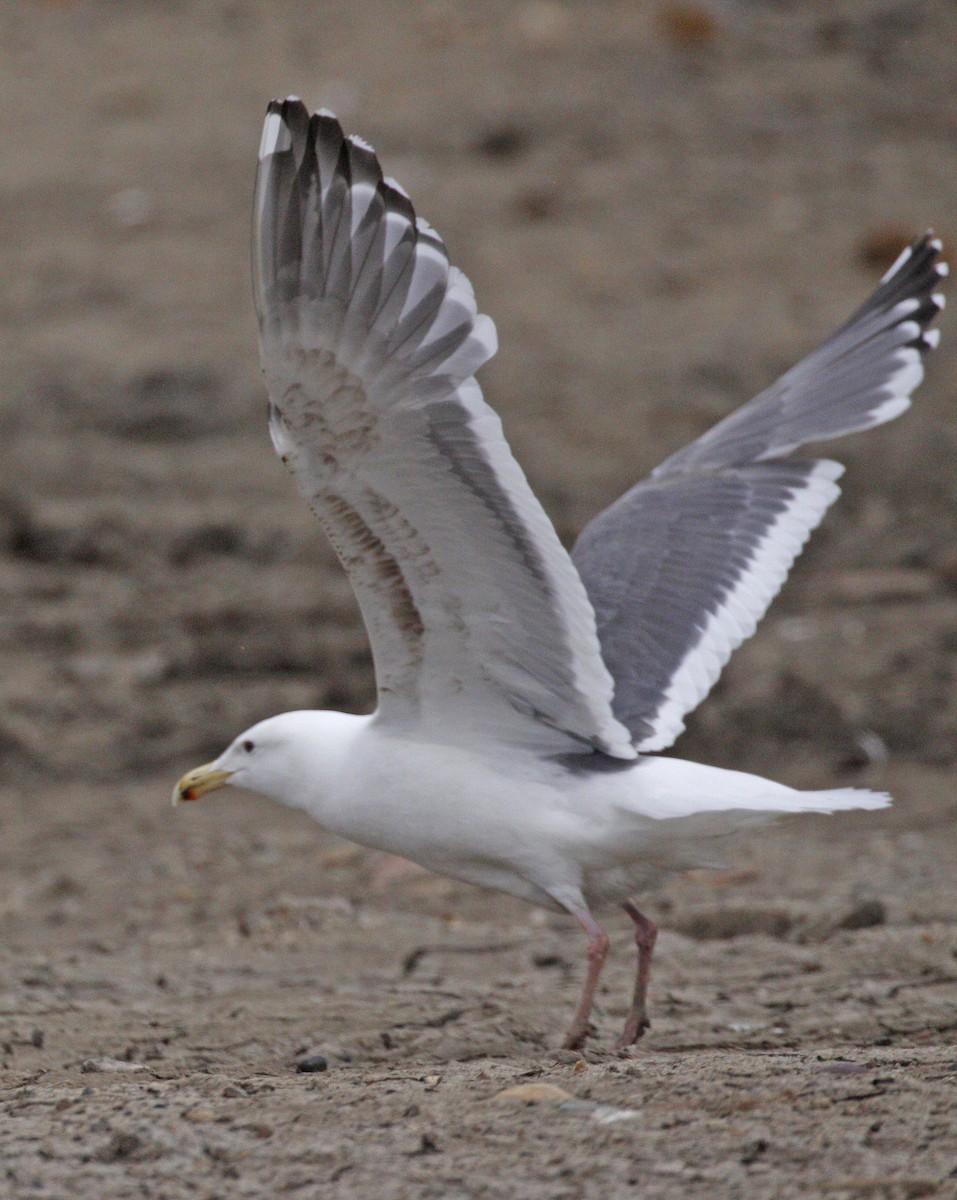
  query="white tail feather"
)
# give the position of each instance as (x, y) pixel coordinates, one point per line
(837, 800)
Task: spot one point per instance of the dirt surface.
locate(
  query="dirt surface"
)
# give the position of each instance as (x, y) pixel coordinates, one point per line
(662, 205)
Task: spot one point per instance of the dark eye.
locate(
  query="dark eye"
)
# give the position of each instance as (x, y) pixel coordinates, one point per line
(249, 747)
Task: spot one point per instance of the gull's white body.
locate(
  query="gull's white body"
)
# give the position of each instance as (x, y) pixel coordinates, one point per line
(532, 827)
(520, 687)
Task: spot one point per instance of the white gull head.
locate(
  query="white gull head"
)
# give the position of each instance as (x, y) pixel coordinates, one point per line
(294, 758)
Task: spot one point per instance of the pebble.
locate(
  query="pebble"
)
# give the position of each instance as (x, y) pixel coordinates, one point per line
(312, 1063)
(535, 1093)
(198, 1115)
(95, 1065)
(842, 1068)
(120, 1146)
(864, 915)
(258, 1129)
(427, 1145)
(602, 1114)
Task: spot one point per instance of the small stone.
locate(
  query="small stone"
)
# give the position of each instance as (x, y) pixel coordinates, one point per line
(842, 1068)
(93, 1066)
(535, 1093)
(198, 1115)
(427, 1145)
(258, 1129)
(311, 1064)
(120, 1146)
(864, 915)
(602, 1114)
(671, 1166)
(608, 1114)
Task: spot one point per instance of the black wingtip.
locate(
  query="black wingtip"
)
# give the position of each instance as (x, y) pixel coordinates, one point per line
(286, 122)
(915, 276)
(286, 129)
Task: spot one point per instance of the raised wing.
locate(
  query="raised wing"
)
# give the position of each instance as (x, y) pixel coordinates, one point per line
(685, 564)
(369, 341)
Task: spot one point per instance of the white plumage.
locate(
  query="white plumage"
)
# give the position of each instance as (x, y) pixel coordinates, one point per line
(517, 685)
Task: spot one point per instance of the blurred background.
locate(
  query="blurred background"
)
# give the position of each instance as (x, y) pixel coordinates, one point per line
(662, 204)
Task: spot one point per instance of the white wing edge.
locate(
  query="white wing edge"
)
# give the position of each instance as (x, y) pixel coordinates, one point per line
(737, 617)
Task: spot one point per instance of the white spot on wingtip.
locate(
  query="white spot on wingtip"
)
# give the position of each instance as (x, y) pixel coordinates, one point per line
(904, 255)
(942, 269)
(932, 339)
(904, 308)
(940, 300)
(892, 407)
(396, 186)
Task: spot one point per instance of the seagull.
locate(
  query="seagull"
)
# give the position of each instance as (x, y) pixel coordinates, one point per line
(522, 690)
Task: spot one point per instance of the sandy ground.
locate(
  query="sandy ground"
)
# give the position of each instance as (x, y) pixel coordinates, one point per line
(662, 205)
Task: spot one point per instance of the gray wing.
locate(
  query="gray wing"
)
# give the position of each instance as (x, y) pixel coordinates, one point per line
(684, 565)
(370, 339)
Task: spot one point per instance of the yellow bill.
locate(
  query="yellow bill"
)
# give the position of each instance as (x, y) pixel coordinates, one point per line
(199, 781)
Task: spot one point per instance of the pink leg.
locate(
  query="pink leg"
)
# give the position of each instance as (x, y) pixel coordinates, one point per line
(646, 934)
(597, 953)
